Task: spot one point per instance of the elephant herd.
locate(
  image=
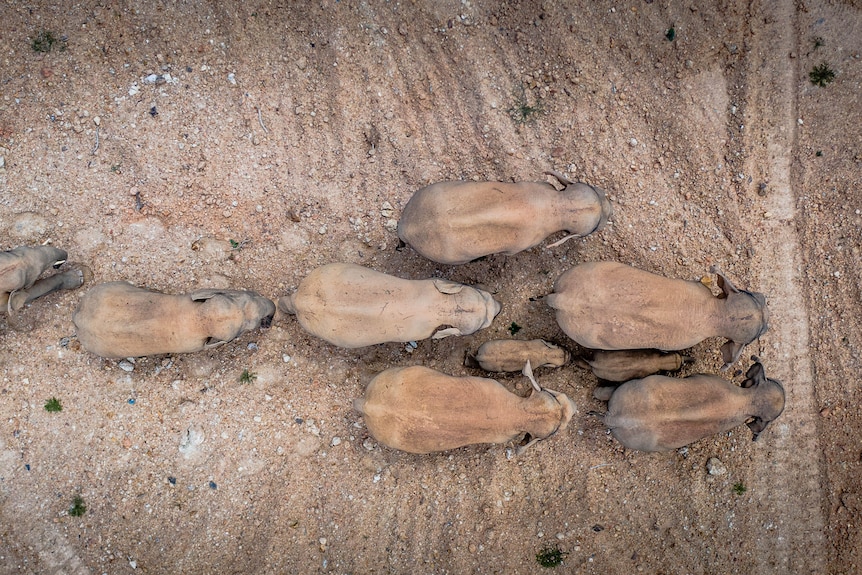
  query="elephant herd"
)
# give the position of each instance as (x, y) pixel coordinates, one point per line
(627, 318)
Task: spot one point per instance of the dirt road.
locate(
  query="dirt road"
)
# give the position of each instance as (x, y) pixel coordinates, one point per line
(191, 144)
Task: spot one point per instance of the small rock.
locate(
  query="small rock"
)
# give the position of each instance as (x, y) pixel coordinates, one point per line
(285, 358)
(98, 121)
(2, 162)
(231, 78)
(402, 29)
(633, 142)
(368, 444)
(387, 210)
(301, 63)
(336, 441)
(29, 225)
(715, 467)
(125, 365)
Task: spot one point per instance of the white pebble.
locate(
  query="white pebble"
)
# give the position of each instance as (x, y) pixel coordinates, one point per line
(336, 441)
(285, 358)
(799, 121)
(633, 142)
(126, 366)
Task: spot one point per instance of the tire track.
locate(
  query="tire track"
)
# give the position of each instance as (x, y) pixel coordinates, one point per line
(790, 485)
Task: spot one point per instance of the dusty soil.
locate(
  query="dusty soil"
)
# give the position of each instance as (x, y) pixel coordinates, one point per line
(191, 144)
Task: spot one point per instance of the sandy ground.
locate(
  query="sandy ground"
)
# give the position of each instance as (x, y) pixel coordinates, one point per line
(154, 136)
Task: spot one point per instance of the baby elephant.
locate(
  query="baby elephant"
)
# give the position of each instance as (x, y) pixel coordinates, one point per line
(419, 410)
(456, 222)
(512, 354)
(630, 364)
(352, 306)
(612, 306)
(661, 413)
(20, 270)
(117, 319)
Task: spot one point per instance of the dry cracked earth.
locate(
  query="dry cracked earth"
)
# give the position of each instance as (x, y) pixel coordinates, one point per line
(192, 144)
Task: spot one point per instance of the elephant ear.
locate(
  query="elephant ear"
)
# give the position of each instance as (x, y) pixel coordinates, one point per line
(730, 352)
(446, 332)
(755, 375)
(724, 284)
(205, 294)
(212, 342)
(447, 287)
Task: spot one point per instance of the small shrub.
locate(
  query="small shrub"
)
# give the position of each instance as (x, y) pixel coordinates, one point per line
(522, 112)
(43, 42)
(53, 405)
(821, 75)
(247, 376)
(514, 328)
(550, 557)
(739, 488)
(670, 34)
(78, 508)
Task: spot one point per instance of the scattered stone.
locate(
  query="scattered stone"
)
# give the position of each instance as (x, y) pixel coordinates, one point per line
(212, 249)
(335, 441)
(368, 444)
(125, 365)
(29, 225)
(387, 210)
(391, 225)
(633, 142)
(715, 467)
(190, 442)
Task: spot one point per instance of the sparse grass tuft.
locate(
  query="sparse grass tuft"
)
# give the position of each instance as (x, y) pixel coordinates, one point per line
(551, 557)
(670, 34)
(247, 376)
(821, 75)
(43, 42)
(514, 328)
(739, 488)
(522, 112)
(53, 405)
(78, 508)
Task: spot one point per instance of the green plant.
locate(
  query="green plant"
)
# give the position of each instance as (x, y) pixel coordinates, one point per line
(670, 34)
(550, 556)
(53, 405)
(115, 168)
(818, 41)
(247, 376)
(522, 112)
(821, 75)
(739, 488)
(514, 328)
(43, 42)
(78, 508)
